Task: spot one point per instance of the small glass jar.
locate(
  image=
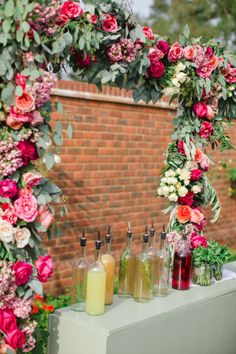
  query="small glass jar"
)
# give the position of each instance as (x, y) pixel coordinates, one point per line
(218, 271)
(202, 275)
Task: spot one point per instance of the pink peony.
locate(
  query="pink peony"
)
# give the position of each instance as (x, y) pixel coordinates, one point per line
(8, 188)
(148, 33)
(189, 53)
(187, 200)
(109, 23)
(163, 46)
(21, 80)
(175, 52)
(200, 109)
(26, 207)
(196, 216)
(28, 151)
(7, 321)
(10, 214)
(45, 217)
(44, 267)
(206, 130)
(15, 339)
(196, 175)
(31, 179)
(25, 103)
(156, 70)
(197, 241)
(23, 272)
(71, 9)
(36, 119)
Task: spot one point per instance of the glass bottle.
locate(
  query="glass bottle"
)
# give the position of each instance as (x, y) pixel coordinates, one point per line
(182, 266)
(143, 286)
(79, 276)
(96, 284)
(161, 286)
(152, 252)
(110, 265)
(127, 268)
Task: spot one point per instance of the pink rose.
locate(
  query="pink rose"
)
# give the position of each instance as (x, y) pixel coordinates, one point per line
(19, 116)
(109, 23)
(45, 217)
(25, 103)
(205, 70)
(7, 321)
(148, 33)
(23, 272)
(45, 268)
(156, 70)
(204, 163)
(26, 207)
(62, 20)
(181, 147)
(200, 109)
(175, 52)
(196, 216)
(21, 80)
(155, 55)
(8, 188)
(163, 46)
(206, 130)
(230, 74)
(196, 175)
(71, 9)
(31, 179)
(197, 241)
(92, 18)
(36, 119)
(15, 339)
(28, 151)
(187, 200)
(189, 53)
(10, 214)
(210, 113)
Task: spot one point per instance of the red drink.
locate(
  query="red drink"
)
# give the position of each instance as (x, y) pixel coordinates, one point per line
(181, 271)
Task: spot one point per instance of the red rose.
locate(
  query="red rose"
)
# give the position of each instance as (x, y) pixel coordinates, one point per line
(21, 80)
(7, 321)
(23, 272)
(15, 339)
(45, 268)
(8, 188)
(181, 147)
(197, 241)
(148, 33)
(187, 200)
(83, 59)
(196, 175)
(155, 55)
(163, 46)
(206, 130)
(109, 24)
(156, 69)
(175, 52)
(200, 109)
(28, 151)
(71, 9)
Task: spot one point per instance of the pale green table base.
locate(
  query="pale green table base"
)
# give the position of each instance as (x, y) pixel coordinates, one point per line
(198, 321)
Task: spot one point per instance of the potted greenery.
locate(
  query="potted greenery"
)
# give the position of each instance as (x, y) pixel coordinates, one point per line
(222, 255)
(203, 260)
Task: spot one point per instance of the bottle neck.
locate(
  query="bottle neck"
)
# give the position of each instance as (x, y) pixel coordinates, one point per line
(98, 255)
(163, 244)
(145, 246)
(153, 242)
(108, 248)
(129, 242)
(83, 252)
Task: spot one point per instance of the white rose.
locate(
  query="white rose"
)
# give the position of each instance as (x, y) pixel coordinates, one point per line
(173, 180)
(182, 191)
(6, 231)
(180, 67)
(172, 189)
(178, 171)
(22, 236)
(175, 82)
(164, 180)
(170, 91)
(173, 197)
(181, 77)
(186, 182)
(196, 189)
(184, 175)
(170, 173)
(165, 190)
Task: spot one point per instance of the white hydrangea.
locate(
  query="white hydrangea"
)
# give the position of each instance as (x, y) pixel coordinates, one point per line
(178, 171)
(173, 197)
(187, 182)
(165, 190)
(172, 189)
(170, 91)
(181, 77)
(175, 82)
(191, 165)
(160, 191)
(185, 174)
(180, 67)
(182, 191)
(196, 189)
(172, 180)
(164, 180)
(170, 173)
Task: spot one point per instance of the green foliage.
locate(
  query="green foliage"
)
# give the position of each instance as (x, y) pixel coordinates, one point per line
(213, 254)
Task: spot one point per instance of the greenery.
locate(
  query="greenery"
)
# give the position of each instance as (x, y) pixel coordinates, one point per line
(202, 275)
(232, 179)
(211, 18)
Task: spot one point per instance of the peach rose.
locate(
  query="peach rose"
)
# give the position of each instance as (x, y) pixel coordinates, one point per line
(183, 213)
(25, 103)
(196, 216)
(45, 217)
(210, 113)
(198, 156)
(189, 53)
(31, 179)
(205, 162)
(214, 62)
(3, 348)
(13, 123)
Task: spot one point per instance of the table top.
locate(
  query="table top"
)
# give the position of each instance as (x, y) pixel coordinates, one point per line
(124, 313)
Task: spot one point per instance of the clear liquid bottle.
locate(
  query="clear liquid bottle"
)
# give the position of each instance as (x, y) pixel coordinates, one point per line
(127, 268)
(152, 252)
(161, 286)
(143, 286)
(79, 277)
(181, 275)
(110, 265)
(96, 284)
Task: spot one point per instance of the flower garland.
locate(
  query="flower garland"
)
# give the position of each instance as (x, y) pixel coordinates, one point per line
(102, 44)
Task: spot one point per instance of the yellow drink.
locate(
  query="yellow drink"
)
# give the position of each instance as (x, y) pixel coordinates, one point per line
(95, 296)
(109, 263)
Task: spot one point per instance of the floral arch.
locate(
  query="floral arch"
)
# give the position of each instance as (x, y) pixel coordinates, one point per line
(102, 44)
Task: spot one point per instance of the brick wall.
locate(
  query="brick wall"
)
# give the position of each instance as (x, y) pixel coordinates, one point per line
(110, 170)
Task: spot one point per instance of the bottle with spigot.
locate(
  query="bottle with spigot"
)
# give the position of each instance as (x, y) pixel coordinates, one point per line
(161, 287)
(152, 252)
